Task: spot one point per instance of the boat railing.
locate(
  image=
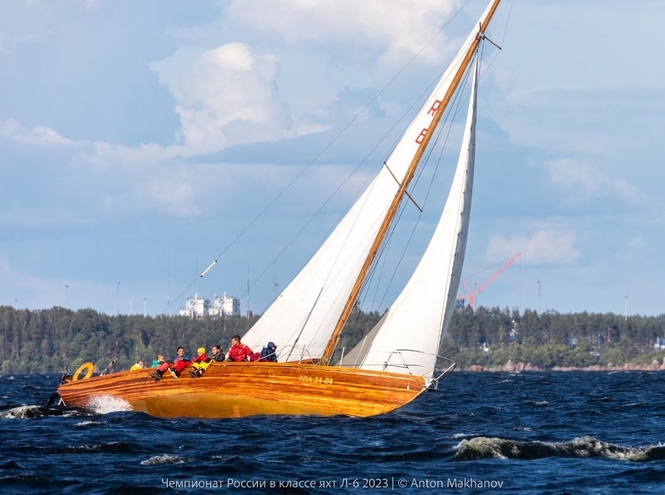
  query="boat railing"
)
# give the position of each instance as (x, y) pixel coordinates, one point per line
(436, 373)
(296, 354)
(403, 364)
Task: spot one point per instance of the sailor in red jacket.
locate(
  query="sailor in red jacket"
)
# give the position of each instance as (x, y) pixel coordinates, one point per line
(180, 362)
(175, 368)
(238, 351)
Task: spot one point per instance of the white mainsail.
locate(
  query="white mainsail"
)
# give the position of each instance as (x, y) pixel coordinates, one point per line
(407, 338)
(302, 319)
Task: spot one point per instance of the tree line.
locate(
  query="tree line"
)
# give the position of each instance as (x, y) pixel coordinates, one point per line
(58, 339)
(492, 337)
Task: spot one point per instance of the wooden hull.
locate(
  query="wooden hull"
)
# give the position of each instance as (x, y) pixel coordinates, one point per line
(229, 390)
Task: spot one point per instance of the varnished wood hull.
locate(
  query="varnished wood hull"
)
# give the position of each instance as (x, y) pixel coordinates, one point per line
(230, 390)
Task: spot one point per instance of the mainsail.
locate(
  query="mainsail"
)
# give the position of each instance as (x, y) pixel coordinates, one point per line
(407, 338)
(302, 319)
(394, 364)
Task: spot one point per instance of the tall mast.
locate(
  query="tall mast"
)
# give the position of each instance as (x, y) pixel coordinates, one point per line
(425, 137)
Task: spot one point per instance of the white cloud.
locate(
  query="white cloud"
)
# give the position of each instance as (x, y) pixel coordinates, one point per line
(96, 179)
(615, 124)
(592, 180)
(40, 135)
(404, 26)
(229, 97)
(142, 178)
(600, 120)
(177, 192)
(547, 245)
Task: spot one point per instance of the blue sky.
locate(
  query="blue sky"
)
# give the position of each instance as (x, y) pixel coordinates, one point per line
(138, 139)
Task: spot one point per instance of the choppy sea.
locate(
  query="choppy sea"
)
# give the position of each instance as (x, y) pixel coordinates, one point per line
(532, 433)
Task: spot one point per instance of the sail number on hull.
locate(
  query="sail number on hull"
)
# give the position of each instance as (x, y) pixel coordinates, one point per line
(315, 379)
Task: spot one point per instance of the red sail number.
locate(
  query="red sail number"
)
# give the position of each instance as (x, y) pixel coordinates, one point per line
(421, 136)
(435, 106)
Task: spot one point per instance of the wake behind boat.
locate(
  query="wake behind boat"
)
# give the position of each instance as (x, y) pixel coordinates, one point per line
(397, 360)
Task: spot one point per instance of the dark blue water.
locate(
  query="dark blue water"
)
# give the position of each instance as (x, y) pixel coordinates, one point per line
(481, 432)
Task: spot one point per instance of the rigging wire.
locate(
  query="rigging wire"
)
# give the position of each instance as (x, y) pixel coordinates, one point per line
(375, 272)
(457, 106)
(500, 46)
(480, 54)
(447, 128)
(311, 163)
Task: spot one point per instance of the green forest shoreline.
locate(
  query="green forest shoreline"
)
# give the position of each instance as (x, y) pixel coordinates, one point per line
(487, 339)
(511, 367)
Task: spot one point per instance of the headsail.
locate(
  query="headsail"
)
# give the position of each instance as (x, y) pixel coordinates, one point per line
(407, 338)
(302, 319)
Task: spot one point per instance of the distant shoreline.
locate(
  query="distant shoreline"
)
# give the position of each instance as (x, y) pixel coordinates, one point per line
(518, 367)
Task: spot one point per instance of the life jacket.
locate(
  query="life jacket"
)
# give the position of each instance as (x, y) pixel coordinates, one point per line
(201, 362)
(200, 358)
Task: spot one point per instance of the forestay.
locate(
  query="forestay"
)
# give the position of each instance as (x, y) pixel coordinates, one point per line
(407, 338)
(302, 318)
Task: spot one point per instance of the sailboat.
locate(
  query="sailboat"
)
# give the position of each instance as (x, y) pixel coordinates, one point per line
(396, 361)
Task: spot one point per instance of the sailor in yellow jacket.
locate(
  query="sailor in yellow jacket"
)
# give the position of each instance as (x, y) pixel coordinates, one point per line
(139, 365)
(200, 363)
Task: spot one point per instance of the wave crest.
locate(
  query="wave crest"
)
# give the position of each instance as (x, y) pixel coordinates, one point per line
(164, 459)
(583, 447)
(32, 412)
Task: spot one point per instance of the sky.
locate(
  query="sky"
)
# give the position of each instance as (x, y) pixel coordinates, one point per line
(140, 141)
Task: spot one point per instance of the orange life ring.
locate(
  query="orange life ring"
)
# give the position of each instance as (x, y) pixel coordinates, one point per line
(87, 367)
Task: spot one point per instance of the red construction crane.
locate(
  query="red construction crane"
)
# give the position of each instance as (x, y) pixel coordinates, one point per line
(470, 296)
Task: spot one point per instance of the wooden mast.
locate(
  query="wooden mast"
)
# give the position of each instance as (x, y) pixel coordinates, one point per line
(392, 210)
